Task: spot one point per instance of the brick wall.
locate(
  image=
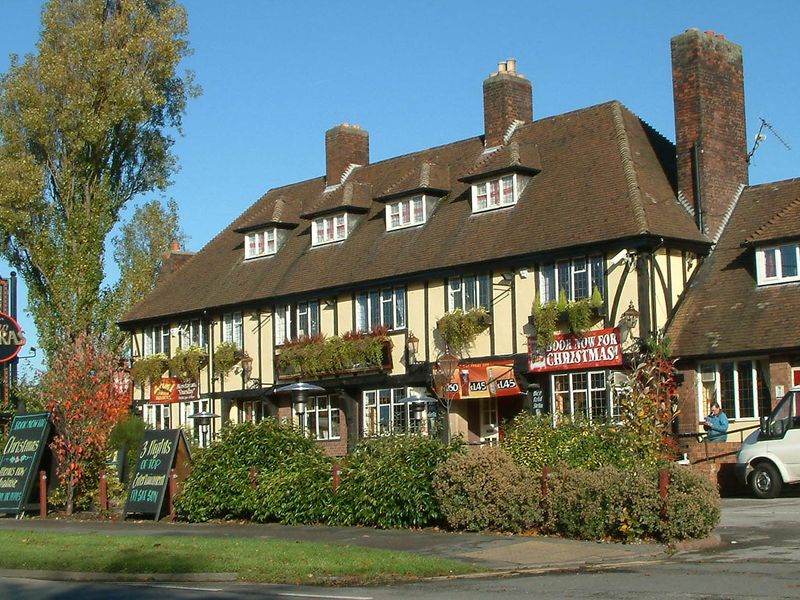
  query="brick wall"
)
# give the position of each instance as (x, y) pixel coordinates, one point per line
(716, 461)
(344, 145)
(708, 90)
(506, 98)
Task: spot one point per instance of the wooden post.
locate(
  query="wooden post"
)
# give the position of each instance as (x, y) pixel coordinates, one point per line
(253, 477)
(42, 494)
(337, 473)
(103, 491)
(663, 490)
(173, 488)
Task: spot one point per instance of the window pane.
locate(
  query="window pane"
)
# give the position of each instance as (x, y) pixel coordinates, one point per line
(727, 389)
(548, 284)
(470, 292)
(789, 261)
(484, 291)
(597, 275)
(494, 192)
(399, 308)
(508, 190)
(581, 279)
(770, 269)
(313, 317)
(374, 309)
(744, 371)
(456, 300)
(302, 319)
(386, 308)
(361, 312)
(394, 215)
(564, 279)
(480, 196)
(418, 212)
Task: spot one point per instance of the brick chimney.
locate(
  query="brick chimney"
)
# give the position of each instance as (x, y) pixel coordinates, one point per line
(507, 97)
(711, 139)
(345, 145)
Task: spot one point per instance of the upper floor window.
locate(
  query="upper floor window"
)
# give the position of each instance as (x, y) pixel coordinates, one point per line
(260, 243)
(577, 278)
(193, 333)
(232, 328)
(778, 264)
(156, 339)
(385, 307)
(329, 229)
(405, 213)
(296, 320)
(495, 193)
(469, 292)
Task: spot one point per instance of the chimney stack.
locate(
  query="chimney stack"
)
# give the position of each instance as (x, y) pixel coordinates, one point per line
(711, 138)
(345, 145)
(507, 97)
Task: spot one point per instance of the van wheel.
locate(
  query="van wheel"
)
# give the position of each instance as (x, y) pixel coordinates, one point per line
(765, 481)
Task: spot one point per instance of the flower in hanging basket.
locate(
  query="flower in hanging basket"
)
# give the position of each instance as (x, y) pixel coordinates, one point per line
(187, 363)
(149, 369)
(226, 355)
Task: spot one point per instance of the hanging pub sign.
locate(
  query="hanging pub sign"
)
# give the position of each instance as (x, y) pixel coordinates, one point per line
(482, 380)
(172, 389)
(161, 451)
(569, 351)
(11, 338)
(23, 455)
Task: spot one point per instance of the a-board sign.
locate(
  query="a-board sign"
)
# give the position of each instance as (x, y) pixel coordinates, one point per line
(537, 400)
(27, 444)
(161, 451)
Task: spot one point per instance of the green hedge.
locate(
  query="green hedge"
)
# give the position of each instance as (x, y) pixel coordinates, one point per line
(219, 485)
(485, 489)
(388, 482)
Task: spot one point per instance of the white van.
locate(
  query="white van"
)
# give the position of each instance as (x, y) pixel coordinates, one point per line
(770, 456)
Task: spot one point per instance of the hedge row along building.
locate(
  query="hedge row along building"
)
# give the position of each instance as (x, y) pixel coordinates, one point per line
(343, 281)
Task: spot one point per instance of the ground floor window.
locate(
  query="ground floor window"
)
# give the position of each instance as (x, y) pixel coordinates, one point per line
(200, 433)
(739, 386)
(322, 419)
(581, 395)
(251, 411)
(388, 411)
(157, 415)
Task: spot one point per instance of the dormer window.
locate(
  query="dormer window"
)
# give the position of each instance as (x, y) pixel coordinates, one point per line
(332, 228)
(260, 243)
(495, 193)
(406, 212)
(778, 264)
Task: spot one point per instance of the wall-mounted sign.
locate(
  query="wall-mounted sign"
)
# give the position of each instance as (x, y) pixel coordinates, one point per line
(483, 380)
(569, 352)
(11, 338)
(172, 389)
(27, 444)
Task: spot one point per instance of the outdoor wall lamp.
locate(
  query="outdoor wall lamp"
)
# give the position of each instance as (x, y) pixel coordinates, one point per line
(247, 366)
(507, 278)
(412, 346)
(628, 321)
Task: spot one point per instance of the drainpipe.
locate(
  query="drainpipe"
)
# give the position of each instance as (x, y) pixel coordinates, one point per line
(698, 197)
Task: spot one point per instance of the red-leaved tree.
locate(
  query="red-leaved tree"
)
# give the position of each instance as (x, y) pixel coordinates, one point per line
(85, 405)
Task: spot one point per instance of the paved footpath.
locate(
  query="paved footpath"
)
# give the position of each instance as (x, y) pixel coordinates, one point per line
(496, 553)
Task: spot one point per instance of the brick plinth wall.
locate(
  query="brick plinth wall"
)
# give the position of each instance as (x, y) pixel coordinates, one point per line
(708, 90)
(715, 460)
(507, 98)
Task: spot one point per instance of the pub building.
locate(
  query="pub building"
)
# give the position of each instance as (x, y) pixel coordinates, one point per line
(591, 204)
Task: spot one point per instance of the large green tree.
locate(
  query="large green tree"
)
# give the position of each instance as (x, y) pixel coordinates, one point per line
(86, 126)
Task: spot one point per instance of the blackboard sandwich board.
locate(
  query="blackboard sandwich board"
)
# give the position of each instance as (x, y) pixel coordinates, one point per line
(26, 447)
(161, 451)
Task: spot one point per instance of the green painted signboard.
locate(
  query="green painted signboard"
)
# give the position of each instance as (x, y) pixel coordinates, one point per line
(27, 444)
(161, 451)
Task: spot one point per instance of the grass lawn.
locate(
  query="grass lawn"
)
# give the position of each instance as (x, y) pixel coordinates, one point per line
(262, 560)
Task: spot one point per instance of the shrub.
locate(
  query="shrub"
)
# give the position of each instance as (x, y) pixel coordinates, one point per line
(485, 489)
(219, 484)
(300, 491)
(126, 437)
(693, 505)
(388, 482)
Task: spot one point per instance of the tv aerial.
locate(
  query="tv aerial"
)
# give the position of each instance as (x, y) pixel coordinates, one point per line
(761, 136)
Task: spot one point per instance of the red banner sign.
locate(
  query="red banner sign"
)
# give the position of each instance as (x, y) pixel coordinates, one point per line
(570, 352)
(483, 380)
(172, 389)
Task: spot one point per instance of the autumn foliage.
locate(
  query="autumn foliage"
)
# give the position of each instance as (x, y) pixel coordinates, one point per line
(80, 393)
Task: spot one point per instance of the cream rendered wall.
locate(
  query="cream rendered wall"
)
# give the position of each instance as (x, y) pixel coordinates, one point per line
(614, 278)
(525, 292)
(502, 320)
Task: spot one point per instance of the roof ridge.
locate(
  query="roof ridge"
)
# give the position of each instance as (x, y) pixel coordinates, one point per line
(635, 194)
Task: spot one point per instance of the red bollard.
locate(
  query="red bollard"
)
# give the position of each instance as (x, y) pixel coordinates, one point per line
(42, 495)
(337, 473)
(173, 488)
(663, 489)
(103, 491)
(253, 477)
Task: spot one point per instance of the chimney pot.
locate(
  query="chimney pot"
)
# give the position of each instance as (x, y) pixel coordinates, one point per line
(501, 67)
(511, 65)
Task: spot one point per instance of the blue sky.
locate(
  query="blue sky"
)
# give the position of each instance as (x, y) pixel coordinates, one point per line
(276, 75)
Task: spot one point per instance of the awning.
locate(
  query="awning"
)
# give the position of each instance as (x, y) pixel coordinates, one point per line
(483, 380)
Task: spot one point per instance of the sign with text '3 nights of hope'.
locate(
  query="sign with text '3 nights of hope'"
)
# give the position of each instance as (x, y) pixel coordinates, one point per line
(26, 445)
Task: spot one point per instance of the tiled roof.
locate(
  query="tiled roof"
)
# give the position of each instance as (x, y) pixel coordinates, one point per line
(605, 175)
(511, 157)
(426, 176)
(784, 225)
(723, 311)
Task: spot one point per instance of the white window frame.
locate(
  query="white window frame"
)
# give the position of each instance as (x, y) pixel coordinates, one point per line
(322, 419)
(552, 278)
(778, 252)
(375, 423)
(468, 292)
(568, 395)
(402, 214)
(158, 416)
(156, 339)
(233, 329)
(329, 229)
(374, 307)
(712, 388)
(288, 318)
(507, 186)
(259, 243)
(192, 333)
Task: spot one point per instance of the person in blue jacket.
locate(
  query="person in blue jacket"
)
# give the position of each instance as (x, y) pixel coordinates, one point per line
(716, 424)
